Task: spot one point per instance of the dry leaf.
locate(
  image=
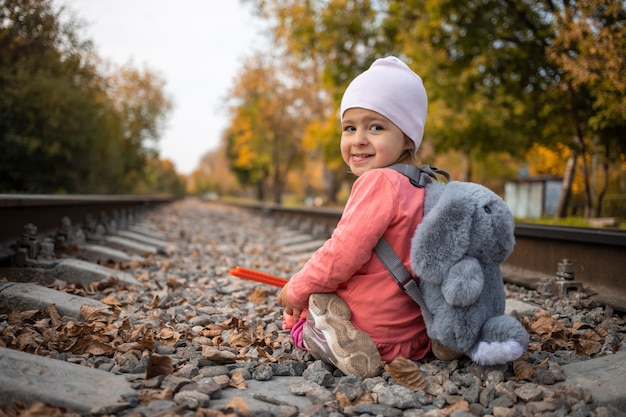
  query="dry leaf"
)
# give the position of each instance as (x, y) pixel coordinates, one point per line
(580, 325)
(127, 347)
(16, 318)
(588, 347)
(111, 300)
(96, 347)
(216, 355)
(147, 341)
(523, 370)
(601, 331)
(169, 336)
(150, 395)
(238, 381)
(241, 338)
(461, 405)
(238, 406)
(365, 398)
(406, 373)
(342, 400)
(144, 277)
(211, 332)
(158, 365)
(174, 283)
(108, 282)
(546, 325)
(156, 301)
(259, 296)
(28, 338)
(45, 410)
(55, 317)
(92, 313)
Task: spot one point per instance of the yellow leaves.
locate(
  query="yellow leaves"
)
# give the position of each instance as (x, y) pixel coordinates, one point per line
(544, 160)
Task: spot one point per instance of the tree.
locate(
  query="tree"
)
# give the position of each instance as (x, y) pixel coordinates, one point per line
(141, 106)
(65, 127)
(326, 43)
(160, 176)
(482, 67)
(266, 124)
(590, 47)
(504, 74)
(46, 99)
(214, 174)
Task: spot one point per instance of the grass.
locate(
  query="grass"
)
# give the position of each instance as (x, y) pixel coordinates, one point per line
(569, 221)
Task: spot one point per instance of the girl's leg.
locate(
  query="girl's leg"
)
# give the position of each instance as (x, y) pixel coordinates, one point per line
(296, 333)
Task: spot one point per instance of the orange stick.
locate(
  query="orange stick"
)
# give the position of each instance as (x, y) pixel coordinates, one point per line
(257, 276)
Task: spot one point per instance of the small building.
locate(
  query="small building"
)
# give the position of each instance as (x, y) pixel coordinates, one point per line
(533, 197)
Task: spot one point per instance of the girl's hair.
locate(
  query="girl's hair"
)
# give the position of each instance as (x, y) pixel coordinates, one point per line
(409, 156)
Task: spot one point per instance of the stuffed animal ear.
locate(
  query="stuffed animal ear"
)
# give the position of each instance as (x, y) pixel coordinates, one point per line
(443, 237)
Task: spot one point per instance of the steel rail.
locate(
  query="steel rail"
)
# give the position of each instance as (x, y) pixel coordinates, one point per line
(46, 211)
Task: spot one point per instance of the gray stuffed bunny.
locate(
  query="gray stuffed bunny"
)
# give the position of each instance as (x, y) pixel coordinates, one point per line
(466, 232)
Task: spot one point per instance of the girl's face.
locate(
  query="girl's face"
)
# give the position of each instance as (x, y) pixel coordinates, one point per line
(370, 140)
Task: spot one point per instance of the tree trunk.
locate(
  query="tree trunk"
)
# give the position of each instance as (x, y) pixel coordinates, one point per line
(333, 184)
(566, 187)
(580, 141)
(278, 186)
(605, 182)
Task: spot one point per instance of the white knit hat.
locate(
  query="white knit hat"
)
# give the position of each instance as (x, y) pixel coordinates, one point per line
(391, 88)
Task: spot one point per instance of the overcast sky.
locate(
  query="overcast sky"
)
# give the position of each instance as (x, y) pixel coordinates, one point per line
(197, 46)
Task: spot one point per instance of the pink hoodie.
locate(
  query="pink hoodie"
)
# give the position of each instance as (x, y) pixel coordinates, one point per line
(382, 202)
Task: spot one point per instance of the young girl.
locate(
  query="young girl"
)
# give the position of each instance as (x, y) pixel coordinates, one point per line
(347, 308)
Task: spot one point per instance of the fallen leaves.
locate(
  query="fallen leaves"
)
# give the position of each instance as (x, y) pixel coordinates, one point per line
(551, 335)
(158, 365)
(406, 372)
(217, 355)
(103, 331)
(37, 410)
(523, 370)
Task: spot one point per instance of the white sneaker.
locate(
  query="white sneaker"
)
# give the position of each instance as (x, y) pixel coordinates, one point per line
(331, 337)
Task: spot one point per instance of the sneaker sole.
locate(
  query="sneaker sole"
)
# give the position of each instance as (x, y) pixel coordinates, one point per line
(355, 352)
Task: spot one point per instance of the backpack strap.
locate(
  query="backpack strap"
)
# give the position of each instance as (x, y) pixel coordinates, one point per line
(419, 177)
(406, 281)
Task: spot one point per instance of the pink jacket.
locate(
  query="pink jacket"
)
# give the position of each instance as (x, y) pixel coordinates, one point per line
(382, 203)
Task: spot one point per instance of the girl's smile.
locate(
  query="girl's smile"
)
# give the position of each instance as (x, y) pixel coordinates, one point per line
(370, 140)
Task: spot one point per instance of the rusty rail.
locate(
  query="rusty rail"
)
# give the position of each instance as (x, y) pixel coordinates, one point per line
(46, 211)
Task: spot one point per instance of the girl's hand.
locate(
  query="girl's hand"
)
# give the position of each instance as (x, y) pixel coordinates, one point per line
(290, 309)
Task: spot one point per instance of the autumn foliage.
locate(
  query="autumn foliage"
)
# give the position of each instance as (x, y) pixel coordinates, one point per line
(521, 79)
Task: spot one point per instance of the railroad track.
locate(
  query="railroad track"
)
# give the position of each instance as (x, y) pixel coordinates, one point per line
(127, 312)
(550, 258)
